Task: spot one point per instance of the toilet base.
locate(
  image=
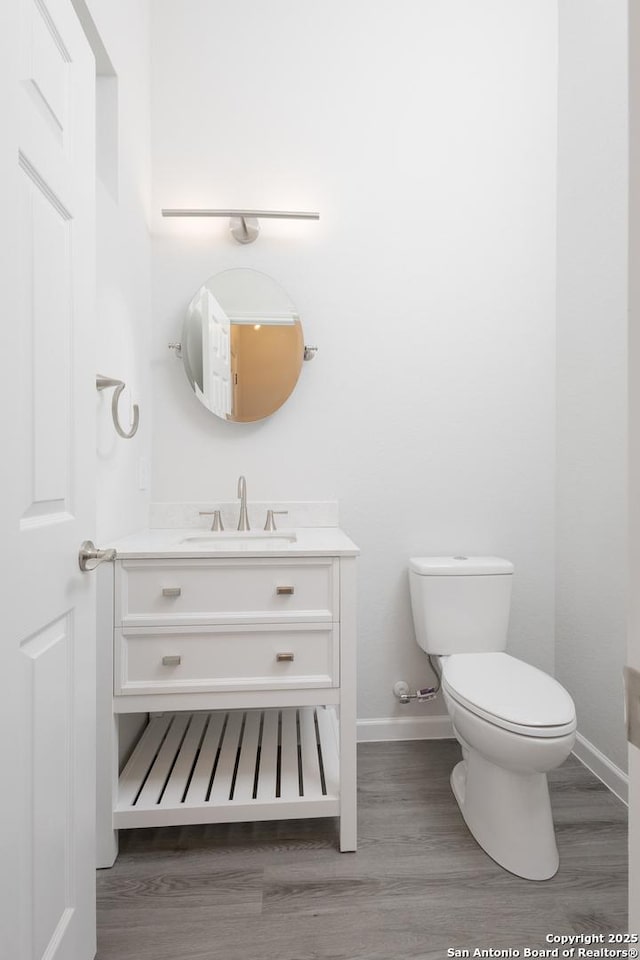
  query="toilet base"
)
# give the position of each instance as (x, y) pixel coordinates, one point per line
(509, 814)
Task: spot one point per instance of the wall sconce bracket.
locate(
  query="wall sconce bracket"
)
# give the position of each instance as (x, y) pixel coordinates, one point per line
(244, 229)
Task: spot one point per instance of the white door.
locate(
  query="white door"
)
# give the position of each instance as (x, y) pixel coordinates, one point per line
(47, 397)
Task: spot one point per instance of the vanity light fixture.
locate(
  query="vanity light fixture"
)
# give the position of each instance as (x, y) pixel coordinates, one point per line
(243, 224)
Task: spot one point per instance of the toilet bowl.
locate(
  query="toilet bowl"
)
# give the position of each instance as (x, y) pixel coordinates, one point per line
(513, 721)
(501, 784)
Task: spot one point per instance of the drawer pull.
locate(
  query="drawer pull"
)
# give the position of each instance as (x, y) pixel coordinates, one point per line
(171, 661)
(284, 591)
(284, 657)
(171, 591)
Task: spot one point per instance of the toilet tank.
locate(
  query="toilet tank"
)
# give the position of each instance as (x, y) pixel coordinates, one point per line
(460, 604)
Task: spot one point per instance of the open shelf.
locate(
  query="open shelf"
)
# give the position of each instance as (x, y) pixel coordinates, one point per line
(231, 765)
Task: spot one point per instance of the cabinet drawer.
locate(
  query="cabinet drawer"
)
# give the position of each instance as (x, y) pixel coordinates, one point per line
(182, 592)
(206, 659)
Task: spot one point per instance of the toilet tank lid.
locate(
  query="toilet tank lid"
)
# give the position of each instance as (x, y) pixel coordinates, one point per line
(460, 566)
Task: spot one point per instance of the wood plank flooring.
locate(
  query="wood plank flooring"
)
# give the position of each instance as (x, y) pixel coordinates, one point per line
(418, 884)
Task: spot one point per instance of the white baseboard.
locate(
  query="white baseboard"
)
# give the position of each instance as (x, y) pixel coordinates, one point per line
(612, 776)
(405, 728)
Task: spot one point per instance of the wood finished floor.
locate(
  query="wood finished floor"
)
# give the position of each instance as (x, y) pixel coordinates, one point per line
(418, 884)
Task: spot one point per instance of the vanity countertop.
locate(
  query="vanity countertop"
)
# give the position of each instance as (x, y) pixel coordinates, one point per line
(201, 543)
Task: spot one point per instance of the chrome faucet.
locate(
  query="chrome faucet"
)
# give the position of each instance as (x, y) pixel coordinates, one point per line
(243, 519)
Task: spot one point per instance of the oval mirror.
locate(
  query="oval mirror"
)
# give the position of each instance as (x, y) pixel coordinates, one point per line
(242, 345)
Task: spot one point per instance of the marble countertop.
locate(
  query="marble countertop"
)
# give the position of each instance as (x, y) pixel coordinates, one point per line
(198, 543)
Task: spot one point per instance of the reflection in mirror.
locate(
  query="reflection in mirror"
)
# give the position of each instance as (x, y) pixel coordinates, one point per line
(242, 345)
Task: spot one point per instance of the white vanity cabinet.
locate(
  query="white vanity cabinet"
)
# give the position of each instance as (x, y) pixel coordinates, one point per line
(245, 666)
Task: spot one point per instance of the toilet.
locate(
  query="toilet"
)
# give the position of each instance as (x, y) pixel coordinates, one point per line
(513, 722)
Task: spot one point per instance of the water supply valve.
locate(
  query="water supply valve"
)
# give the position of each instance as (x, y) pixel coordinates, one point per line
(403, 692)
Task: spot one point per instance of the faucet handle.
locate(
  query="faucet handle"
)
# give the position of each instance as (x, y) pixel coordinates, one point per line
(217, 519)
(271, 523)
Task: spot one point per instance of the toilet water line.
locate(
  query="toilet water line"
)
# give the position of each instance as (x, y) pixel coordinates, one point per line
(436, 689)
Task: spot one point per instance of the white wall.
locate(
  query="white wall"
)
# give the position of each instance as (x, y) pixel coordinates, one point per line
(633, 651)
(425, 134)
(123, 259)
(592, 357)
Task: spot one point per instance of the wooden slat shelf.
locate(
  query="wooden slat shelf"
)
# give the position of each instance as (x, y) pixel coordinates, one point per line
(232, 765)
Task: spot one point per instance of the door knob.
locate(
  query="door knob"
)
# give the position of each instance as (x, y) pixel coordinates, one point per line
(89, 557)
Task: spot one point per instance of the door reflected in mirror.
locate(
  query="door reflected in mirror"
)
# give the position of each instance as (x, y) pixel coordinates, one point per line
(242, 345)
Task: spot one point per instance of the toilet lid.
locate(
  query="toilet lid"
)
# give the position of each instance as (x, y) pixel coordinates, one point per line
(509, 693)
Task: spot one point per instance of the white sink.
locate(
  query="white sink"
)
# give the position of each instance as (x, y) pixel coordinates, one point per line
(242, 539)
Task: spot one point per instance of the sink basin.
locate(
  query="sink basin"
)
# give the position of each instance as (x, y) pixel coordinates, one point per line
(242, 539)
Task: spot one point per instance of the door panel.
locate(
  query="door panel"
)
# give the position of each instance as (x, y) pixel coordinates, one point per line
(46, 287)
(47, 69)
(48, 720)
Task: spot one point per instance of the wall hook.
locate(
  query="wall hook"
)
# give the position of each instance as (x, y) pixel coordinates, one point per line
(104, 383)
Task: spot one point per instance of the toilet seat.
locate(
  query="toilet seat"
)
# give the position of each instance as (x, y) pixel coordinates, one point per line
(509, 693)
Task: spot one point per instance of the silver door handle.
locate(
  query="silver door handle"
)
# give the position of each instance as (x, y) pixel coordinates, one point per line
(89, 552)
